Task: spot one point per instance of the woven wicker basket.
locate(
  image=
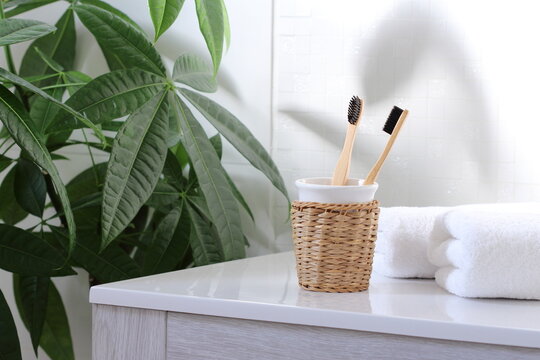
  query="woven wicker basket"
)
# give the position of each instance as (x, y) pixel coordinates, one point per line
(334, 244)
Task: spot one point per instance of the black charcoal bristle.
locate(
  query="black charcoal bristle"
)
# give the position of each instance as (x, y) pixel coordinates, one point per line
(355, 107)
(392, 120)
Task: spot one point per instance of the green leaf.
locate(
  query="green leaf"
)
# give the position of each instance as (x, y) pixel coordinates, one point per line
(193, 71)
(31, 294)
(44, 111)
(30, 188)
(130, 47)
(199, 202)
(3, 133)
(21, 128)
(173, 170)
(113, 60)
(67, 85)
(213, 183)
(86, 183)
(28, 86)
(10, 348)
(59, 157)
(204, 244)
(175, 133)
(111, 264)
(238, 135)
(85, 202)
(211, 23)
(169, 245)
(56, 336)
(36, 78)
(24, 253)
(163, 195)
(75, 77)
(181, 155)
(13, 31)
(115, 11)
(59, 46)
(12, 3)
(27, 6)
(4, 163)
(110, 96)
(226, 25)
(10, 210)
(239, 197)
(112, 125)
(164, 13)
(50, 61)
(217, 145)
(136, 162)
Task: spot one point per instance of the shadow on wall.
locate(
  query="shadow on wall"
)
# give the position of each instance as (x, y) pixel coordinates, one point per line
(400, 44)
(320, 124)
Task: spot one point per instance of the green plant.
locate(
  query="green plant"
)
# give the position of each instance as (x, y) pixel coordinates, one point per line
(161, 202)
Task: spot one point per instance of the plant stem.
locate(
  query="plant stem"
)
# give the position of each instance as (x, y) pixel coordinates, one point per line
(4, 141)
(9, 59)
(7, 149)
(11, 64)
(7, 50)
(61, 86)
(55, 200)
(91, 159)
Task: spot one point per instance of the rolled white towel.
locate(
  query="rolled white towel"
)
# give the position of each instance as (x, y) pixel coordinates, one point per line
(492, 251)
(402, 240)
(504, 208)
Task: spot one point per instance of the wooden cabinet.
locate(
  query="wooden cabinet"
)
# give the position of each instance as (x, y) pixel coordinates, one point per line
(253, 309)
(121, 333)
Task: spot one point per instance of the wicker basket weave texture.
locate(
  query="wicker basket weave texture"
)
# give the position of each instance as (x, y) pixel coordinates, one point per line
(334, 244)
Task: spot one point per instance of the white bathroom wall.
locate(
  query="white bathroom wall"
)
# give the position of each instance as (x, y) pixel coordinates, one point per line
(467, 70)
(245, 89)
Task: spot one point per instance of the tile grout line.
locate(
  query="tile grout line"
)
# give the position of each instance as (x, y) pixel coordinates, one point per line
(272, 197)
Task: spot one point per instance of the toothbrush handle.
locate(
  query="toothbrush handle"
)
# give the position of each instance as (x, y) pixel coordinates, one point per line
(374, 172)
(341, 172)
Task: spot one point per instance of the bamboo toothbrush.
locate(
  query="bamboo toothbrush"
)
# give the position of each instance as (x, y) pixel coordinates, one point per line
(341, 172)
(392, 126)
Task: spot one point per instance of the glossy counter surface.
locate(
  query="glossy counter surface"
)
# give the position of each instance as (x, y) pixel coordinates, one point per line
(264, 288)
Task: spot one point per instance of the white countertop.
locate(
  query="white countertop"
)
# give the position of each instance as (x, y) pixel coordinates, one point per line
(265, 288)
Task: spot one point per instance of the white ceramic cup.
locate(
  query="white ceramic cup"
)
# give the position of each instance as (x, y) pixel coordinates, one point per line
(321, 190)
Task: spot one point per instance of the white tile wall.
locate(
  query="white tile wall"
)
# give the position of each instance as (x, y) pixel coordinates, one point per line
(467, 70)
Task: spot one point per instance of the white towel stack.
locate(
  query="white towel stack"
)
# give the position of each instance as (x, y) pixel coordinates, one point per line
(403, 238)
(492, 251)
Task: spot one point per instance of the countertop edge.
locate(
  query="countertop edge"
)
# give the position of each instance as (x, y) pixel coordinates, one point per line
(324, 318)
